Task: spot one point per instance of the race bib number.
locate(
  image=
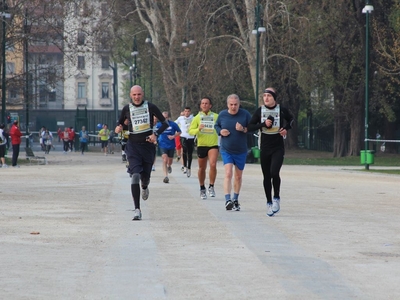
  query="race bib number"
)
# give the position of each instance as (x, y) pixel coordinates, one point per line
(140, 118)
(275, 113)
(208, 122)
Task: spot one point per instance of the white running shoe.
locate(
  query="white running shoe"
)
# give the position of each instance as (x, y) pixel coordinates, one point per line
(203, 194)
(270, 212)
(275, 205)
(137, 215)
(211, 191)
(188, 173)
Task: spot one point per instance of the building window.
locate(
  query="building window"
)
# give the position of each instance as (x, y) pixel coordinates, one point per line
(81, 38)
(42, 93)
(81, 62)
(105, 90)
(12, 93)
(52, 96)
(10, 68)
(105, 62)
(105, 39)
(42, 60)
(81, 90)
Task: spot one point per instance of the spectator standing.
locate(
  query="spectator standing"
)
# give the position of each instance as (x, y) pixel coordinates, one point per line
(83, 138)
(15, 134)
(41, 138)
(59, 133)
(3, 143)
(71, 138)
(65, 138)
(47, 140)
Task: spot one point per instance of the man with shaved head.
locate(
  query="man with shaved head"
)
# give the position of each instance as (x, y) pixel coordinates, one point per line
(140, 148)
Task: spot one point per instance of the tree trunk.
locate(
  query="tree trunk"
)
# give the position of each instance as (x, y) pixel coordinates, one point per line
(355, 117)
(390, 134)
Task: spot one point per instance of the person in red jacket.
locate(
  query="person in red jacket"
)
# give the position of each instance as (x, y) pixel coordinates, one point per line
(71, 138)
(15, 134)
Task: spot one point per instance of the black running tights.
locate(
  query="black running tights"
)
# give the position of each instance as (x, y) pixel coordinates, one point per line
(271, 164)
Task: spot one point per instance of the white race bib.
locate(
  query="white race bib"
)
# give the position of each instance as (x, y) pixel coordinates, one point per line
(140, 118)
(275, 113)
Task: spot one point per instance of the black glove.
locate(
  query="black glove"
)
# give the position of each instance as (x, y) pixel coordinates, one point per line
(272, 120)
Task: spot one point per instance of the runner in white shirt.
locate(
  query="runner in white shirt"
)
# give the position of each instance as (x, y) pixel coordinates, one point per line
(187, 140)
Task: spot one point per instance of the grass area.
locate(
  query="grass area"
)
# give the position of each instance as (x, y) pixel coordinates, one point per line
(317, 158)
(342, 161)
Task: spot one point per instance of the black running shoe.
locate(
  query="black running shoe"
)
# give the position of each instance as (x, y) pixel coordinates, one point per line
(236, 205)
(228, 205)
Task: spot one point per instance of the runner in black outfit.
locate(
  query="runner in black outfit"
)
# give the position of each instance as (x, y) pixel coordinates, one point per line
(140, 148)
(273, 121)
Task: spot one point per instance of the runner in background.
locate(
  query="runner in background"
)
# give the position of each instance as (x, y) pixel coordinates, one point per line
(187, 140)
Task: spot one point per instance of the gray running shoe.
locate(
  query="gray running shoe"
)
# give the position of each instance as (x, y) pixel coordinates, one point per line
(169, 168)
(137, 215)
(145, 194)
(275, 204)
(228, 205)
(166, 180)
(203, 194)
(211, 191)
(236, 205)
(4, 166)
(270, 212)
(188, 173)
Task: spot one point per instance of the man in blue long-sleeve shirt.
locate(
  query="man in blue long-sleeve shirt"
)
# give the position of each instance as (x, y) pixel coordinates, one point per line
(232, 127)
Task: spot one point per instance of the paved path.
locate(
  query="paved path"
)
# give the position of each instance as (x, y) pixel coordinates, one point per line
(336, 237)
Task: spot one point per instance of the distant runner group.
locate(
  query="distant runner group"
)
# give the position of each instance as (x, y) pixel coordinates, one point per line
(224, 133)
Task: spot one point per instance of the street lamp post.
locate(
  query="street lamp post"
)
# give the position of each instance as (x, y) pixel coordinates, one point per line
(185, 44)
(4, 16)
(27, 104)
(258, 29)
(130, 75)
(115, 89)
(150, 42)
(367, 10)
(134, 54)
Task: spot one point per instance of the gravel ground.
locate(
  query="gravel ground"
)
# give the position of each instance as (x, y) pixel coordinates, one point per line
(67, 233)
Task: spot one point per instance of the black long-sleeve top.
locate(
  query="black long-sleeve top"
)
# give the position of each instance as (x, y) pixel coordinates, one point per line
(141, 137)
(271, 141)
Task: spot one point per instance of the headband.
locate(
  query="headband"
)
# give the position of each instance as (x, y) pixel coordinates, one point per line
(267, 91)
